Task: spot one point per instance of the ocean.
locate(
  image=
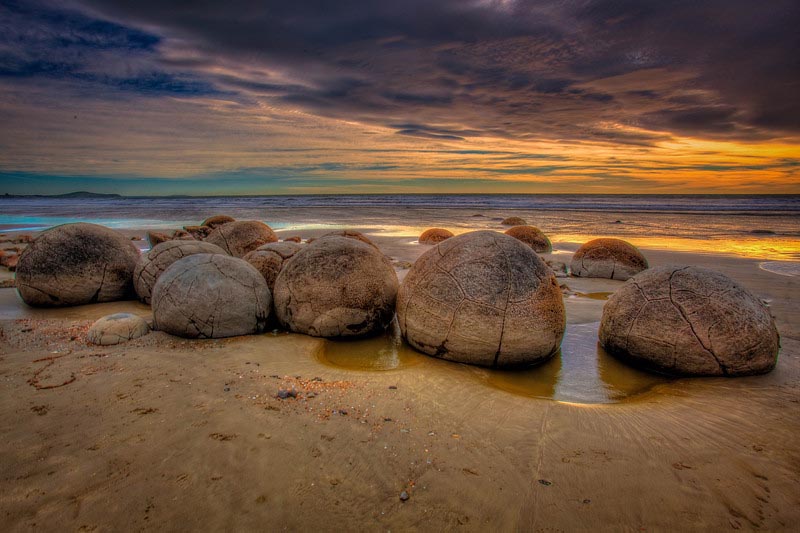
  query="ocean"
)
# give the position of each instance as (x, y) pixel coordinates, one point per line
(763, 227)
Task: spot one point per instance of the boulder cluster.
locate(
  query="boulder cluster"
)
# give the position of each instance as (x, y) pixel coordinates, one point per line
(483, 297)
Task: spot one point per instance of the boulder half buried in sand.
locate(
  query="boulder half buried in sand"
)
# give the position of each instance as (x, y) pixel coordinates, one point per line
(211, 296)
(117, 328)
(482, 298)
(514, 221)
(240, 238)
(336, 287)
(152, 264)
(77, 264)
(270, 258)
(607, 258)
(217, 220)
(533, 237)
(434, 235)
(690, 321)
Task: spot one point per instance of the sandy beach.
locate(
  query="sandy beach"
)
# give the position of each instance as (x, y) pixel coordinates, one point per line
(163, 433)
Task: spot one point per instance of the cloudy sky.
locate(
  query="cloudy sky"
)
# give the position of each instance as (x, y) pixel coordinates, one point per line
(384, 96)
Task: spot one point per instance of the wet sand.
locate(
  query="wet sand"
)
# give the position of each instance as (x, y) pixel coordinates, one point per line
(163, 433)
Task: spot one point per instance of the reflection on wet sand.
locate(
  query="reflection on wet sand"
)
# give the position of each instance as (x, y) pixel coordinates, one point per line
(582, 372)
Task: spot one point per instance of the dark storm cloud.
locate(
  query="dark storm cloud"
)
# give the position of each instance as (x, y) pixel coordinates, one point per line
(450, 68)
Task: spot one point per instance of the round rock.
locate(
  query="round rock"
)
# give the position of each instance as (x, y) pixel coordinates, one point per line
(217, 220)
(117, 328)
(336, 287)
(690, 321)
(533, 237)
(434, 235)
(77, 264)
(607, 258)
(349, 234)
(211, 296)
(513, 221)
(270, 258)
(482, 298)
(240, 238)
(152, 264)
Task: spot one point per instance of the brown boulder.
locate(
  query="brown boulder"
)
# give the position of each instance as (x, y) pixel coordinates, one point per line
(211, 296)
(514, 221)
(152, 264)
(607, 258)
(239, 238)
(348, 234)
(533, 237)
(434, 235)
(690, 321)
(75, 264)
(294, 238)
(270, 258)
(336, 287)
(217, 220)
(155, 238)
(198, 232)
(482, 298)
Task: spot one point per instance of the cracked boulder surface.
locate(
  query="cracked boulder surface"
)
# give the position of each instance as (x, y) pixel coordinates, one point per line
(347, 233)
(270, 258)
(217, 220)
(690, 321)
(533, 237)
(76, 264)
(211, 296)
(117, 328)
(152, 264)
(435, 235)
(242, 237)
(607, 258)
(336, 287)
(482, 298)
(514, 221)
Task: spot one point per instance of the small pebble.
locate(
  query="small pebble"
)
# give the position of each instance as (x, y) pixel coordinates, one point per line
(404, 496)
(393, 387)
(545, 482)
(227, 389)
(286, 393)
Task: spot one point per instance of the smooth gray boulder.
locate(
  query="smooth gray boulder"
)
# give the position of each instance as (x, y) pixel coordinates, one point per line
(482, 298)
(690, 321)
(270, 258)
(607, 258)
(211, 296)
(76, 264)
(336, 287)
(241, 237)
(152, 264)
(117, 328)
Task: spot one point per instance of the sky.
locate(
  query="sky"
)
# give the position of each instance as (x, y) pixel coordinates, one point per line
(389, 96)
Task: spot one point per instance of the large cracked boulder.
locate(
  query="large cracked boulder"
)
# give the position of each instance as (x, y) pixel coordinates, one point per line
(152, 264)
(690, 321)
(76, 264)
(336, 287)
(434, 235)
(117, 328)
(607, 258)
(240, 238)
(347, 233)
(533, 237)
(270, 258)
(211, 296)
(482, 298)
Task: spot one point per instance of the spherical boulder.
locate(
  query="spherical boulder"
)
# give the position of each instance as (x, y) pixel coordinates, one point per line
(77, 264)
(336, 287)
(211, 296)
(533, 237)
(270, 258)
(607, 258)
(434, 235)
(482, 298)
(117, 328)
(217, 220)
(513, 221)
(690, 321)
(239, 238)
(152, 264)
(156, 237)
